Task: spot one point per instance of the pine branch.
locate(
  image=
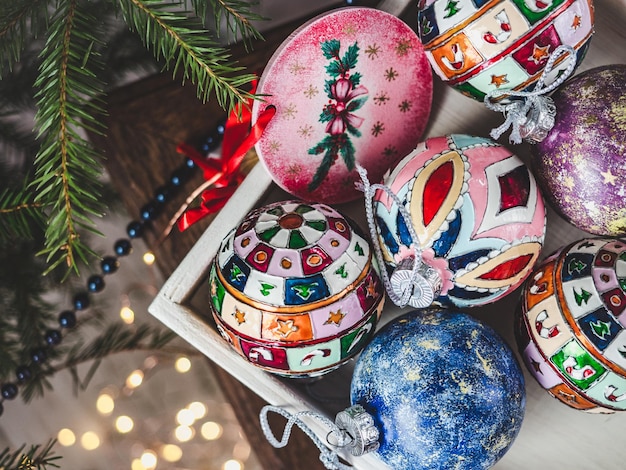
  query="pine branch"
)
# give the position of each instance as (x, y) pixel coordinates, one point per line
(18, 211)
(66, 166)
(37, 457)
(187, 47)
(25, 315)
(238, 16)
(115, 339)
(19, 20)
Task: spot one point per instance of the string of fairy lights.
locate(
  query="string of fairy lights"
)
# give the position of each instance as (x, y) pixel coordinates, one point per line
(190, 423)
(193, 424)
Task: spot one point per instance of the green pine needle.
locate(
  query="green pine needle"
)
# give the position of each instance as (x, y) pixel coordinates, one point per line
(18, 211)
(18, 20)
(67, 167)
(37, 457)
(187, 48)
(69, 93)
(238, 16)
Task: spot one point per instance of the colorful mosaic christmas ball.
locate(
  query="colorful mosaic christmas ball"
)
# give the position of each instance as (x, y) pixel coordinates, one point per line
(350, 86)
(571, 325)
(444, 390)
(294, 289)
(581, 161)
(476, 211)
(478, 46)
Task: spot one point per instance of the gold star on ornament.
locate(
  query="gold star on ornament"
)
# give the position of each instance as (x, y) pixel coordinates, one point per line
(609, 178)
(274, 146)
(576, 22)
(403, 47)
(239, 316)
(404, 106)
(285, 328)
(335, 318)
(377, 128)
(568, 182)
(539, 53)
(290, 111)
(294, 169)
(390, 151)
(381, 98)
(498, 80)
(390, 74)
(306, 130)
(296, 68)
(349, 29)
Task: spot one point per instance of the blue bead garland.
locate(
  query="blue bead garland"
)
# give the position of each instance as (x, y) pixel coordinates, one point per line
(110, 264)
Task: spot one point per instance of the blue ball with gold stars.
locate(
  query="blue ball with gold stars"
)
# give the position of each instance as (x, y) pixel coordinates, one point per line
(444, 390)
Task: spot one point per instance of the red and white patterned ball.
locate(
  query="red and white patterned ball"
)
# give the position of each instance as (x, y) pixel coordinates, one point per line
(478, 46)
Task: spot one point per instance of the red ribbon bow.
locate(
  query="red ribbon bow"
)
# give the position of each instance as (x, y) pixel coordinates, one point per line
(222, 175)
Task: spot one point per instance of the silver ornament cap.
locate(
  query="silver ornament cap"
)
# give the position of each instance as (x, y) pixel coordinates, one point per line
(424, 285)
(539, 120)
(359, 425)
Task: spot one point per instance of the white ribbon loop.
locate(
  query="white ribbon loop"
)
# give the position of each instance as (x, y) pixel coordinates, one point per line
(531, 114)
(329, 458)
(353, 429)
(413, 283)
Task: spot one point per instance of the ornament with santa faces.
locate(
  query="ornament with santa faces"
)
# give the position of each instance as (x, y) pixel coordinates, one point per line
(480, 46)
(571, 325)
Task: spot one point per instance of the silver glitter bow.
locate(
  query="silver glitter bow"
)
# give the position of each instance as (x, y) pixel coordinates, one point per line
(531, 114)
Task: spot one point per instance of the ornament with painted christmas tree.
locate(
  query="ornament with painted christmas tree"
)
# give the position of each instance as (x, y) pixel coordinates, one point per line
(460, 221)
(351, 86)
(294, 289)
(571, 328)
(580, 163)
(479, 46)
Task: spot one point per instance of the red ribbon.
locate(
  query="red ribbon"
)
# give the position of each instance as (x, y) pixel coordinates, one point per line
(223, 175)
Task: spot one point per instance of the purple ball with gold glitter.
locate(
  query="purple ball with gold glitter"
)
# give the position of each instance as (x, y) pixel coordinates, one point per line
(581, 164)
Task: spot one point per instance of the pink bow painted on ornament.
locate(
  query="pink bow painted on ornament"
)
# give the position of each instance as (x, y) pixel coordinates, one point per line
(344, 92)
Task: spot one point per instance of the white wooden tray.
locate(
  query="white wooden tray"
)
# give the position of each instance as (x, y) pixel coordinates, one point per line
(552, 435)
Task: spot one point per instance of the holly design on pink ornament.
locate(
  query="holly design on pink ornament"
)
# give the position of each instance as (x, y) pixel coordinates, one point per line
(346, 95)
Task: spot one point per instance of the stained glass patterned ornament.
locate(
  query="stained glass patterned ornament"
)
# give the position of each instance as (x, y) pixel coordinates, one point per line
(571, 328)
(352, 85)
(478, 46)
(477, 213)
(294, 289)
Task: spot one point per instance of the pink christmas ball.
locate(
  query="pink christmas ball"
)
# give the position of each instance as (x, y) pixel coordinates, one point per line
(350, 86)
